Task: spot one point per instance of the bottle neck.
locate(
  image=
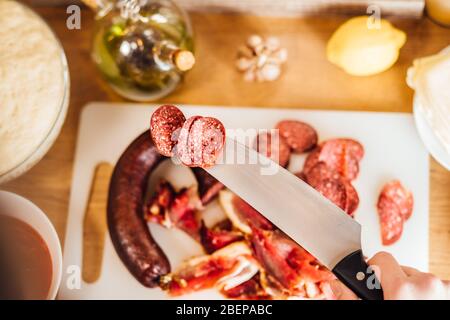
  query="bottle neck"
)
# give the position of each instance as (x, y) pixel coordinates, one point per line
(129, 9)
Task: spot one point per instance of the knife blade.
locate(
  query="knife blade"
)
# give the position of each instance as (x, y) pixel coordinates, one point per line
(301, 212)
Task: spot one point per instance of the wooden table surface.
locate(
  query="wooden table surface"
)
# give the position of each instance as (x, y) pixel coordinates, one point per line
(308, 81)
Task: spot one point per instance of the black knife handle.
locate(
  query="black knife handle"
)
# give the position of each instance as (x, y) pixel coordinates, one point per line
(354, 272)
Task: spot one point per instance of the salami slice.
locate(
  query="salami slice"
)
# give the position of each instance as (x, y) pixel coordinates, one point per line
(200, 141)
(354, 148)
(321, 173)
(391, 220)
(352, 201)
(334, 190)
(402, 197)
(165, 123)
(207, 140)
(342, 155)
(300, 136)
(395, 206)
(183, 148)
(301, 175)
(273, 146)
(311, 160)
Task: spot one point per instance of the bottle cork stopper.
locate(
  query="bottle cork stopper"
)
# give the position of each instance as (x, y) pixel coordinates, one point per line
(184, 60)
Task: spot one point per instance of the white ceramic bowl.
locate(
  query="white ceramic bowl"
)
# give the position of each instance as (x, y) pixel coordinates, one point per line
(429, 139)
(24, 210)
(55, 127)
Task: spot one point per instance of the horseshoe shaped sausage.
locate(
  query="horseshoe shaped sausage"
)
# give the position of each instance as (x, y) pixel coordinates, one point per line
(129, 232)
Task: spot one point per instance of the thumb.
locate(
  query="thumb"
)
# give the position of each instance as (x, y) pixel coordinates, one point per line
(341, 292)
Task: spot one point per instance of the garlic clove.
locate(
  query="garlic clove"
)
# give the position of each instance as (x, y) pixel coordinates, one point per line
(261, 60)
(254, 41)
(258, 50)
(270, 71)
(244, 63)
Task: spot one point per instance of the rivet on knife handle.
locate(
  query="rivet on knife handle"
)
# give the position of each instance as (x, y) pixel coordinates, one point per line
(354, 272)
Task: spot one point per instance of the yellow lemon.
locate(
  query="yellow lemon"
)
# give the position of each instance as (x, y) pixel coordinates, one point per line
(363, 47)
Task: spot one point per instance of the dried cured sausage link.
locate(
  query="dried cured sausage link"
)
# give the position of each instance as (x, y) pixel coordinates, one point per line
(128, 230)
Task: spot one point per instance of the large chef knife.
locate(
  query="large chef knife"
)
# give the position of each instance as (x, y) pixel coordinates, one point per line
(309, 218)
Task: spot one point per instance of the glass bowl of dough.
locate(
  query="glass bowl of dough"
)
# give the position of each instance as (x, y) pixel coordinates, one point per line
(429, 77)
(34, 89)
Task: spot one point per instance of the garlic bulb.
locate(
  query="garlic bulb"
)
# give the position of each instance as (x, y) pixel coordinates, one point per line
(261, 59)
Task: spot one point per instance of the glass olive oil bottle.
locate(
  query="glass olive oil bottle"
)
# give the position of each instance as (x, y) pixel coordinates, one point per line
(142, 47)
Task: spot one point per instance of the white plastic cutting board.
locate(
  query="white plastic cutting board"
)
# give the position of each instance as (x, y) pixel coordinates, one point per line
(393, 150)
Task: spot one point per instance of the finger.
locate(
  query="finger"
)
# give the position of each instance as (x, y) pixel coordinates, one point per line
(409, 271)
(447, 287)
(341, 292)
(386, 268)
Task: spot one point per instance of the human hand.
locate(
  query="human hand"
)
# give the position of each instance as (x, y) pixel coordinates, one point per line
(399, 282)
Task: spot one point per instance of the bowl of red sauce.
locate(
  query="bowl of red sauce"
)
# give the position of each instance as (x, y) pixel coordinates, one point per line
(30, 251)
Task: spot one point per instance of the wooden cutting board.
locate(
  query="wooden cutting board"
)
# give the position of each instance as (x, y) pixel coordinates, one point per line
(393, 150)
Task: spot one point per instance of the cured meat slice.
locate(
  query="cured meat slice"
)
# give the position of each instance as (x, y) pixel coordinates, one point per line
(200, 141)
(327, 181)
(164, 128)
(402, 197)
(297, 271)
(273, 146)
(183, 148)
(311, 160)
(391, 221)
(174, 209)
(249, 290)
(300, 136)
(352, 201)
(301, 175)
(156, 209)
(334, 190)
(319, 172)
(215, 239)
(395, 206)
(250, 215)
(354, 148)
(183, 212)
(208, 186)
(340, 155)
(308, 267)
(269, 255)
(226, 268)
(208, 139)
(343, 156)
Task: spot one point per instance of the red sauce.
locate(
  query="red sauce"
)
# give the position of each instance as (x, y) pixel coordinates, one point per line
(26, 264)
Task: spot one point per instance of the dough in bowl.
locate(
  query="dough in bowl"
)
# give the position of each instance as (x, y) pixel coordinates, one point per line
(32, 83)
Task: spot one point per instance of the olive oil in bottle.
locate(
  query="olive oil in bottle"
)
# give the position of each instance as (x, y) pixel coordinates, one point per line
(142, 47)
